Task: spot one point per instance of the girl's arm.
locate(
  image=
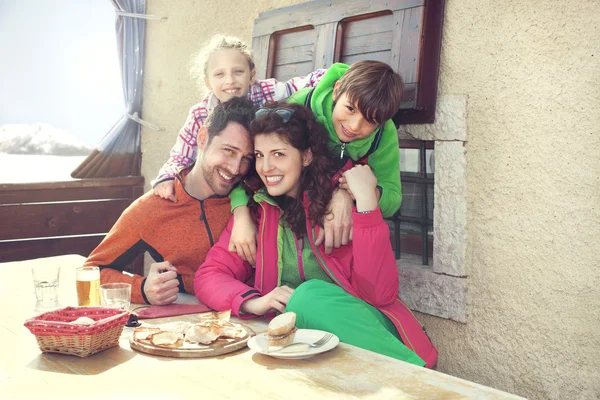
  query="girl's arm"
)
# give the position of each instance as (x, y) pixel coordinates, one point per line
(374, 272)
(184, 152)
(273, 90)
(219, 281)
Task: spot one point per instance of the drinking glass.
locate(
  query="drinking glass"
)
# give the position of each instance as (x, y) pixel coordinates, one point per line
(45, 283)
(116, 295)
(88, 284)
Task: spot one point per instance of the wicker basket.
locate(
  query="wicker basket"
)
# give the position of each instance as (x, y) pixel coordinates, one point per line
(55, 332)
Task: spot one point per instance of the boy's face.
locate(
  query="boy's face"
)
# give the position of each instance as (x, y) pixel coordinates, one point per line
(348, 122)
(228, 74)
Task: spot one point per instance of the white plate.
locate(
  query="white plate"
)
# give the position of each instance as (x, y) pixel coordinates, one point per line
(259, 344)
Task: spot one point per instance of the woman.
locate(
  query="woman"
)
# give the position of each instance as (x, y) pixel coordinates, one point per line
(353, 292)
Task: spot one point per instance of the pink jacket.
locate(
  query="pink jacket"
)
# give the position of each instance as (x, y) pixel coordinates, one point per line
(365, 268)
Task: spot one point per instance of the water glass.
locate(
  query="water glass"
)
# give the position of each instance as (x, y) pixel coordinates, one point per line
(88, 284)
(45, 283)
(116, 295)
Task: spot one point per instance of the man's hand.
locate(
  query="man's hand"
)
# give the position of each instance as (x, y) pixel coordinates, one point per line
(166, 190)
(337, 230)
(363, 183)
(275, 300)
(243, 235)
(161, 285)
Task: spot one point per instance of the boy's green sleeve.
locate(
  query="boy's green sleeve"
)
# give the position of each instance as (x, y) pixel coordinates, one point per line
(299, 97)
(385, 163)
(238, 197)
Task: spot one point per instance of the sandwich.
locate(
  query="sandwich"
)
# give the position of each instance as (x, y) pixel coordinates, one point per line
(281, 331)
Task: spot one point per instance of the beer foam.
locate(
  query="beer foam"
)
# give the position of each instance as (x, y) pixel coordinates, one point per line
(88, 275)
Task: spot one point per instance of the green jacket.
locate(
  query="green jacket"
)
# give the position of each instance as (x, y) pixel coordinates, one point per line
(384, 161)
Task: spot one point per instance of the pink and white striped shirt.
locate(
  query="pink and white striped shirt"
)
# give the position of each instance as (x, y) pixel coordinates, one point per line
(185, 150)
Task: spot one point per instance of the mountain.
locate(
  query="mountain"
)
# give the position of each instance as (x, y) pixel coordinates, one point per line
(41, 139)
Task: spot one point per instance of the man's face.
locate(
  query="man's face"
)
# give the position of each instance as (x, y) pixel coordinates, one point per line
(227, 158)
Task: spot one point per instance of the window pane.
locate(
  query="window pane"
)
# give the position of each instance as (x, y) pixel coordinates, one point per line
(409, 160)
(430, 165)
(411, 200)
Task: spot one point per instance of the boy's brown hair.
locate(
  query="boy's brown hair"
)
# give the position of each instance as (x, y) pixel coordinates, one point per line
(375, 89)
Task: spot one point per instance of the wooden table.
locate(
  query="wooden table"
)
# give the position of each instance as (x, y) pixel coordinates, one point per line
(120, 372)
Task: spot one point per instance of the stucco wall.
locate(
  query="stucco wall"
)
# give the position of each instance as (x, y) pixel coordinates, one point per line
(530, 73)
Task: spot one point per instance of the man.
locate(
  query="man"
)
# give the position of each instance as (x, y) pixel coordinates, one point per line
(179, 234)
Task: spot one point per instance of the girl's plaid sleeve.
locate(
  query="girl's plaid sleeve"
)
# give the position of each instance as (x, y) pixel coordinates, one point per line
(267, 90)
(185, 150)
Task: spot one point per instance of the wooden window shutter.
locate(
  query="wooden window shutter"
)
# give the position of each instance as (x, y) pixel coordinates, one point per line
(406, 34)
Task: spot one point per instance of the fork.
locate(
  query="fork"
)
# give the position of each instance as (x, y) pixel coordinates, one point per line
(318, 343)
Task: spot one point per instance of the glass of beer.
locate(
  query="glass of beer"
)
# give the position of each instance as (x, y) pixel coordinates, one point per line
(88, 286)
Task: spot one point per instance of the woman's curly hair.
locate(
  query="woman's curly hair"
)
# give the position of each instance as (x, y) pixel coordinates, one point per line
(303, 132)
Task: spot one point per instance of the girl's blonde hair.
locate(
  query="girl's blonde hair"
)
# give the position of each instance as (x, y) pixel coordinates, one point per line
(199, 62)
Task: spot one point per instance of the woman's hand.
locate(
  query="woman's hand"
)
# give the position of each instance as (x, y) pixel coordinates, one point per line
(362, 183)
(243, 235)
(275, 300)
(166, 190)
(337, 230)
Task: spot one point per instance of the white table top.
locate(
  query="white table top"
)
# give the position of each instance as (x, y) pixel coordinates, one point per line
(120, 372)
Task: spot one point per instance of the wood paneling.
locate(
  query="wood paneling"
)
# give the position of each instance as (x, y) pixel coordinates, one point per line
(19, 250)
(285, 72)
(26, 221)
(322, 12)
(85, 189)
(55, 218)
(406, 34)
(293, 55)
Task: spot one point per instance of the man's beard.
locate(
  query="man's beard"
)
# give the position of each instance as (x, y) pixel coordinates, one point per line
(216, 184)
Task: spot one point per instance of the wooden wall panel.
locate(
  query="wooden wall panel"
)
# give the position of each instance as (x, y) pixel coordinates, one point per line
(406, 34)
(19, 250)
(59, 219)
(55, 218)
(293, 53)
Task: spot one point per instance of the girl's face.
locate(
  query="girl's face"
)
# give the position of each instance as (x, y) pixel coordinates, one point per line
(228, 74)
(279, 164)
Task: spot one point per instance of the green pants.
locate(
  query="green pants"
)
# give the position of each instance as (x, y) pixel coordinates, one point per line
(327, 307)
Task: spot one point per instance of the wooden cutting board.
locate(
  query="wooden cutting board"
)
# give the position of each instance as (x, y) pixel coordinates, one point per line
(188, 350)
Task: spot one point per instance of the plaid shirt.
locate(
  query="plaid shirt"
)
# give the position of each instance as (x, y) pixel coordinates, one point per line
(185, 150)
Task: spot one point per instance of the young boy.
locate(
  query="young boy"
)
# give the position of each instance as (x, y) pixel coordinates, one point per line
(356, 104)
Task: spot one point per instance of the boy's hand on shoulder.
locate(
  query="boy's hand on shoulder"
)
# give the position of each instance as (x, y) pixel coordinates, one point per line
(337, 229)
(166, 190)
(362, 182)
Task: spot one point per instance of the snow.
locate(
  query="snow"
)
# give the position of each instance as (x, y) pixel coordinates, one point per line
(27, 168)
(39, 153)
(40, 139)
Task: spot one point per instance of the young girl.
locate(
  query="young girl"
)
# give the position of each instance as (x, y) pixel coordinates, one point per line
(353, 292)
(225, 67)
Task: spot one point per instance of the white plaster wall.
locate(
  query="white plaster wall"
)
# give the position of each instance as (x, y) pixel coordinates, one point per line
(529, 71)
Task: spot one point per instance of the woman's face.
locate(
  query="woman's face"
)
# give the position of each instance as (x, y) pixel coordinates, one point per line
(279, 164)
(228, 74)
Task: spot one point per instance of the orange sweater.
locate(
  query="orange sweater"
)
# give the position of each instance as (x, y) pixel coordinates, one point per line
(181, 233)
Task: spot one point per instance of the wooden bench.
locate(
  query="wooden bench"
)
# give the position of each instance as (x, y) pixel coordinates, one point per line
(56, 218)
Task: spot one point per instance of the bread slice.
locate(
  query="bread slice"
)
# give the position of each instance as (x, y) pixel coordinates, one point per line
(281, 330)
(167, 339)
(143, 333)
